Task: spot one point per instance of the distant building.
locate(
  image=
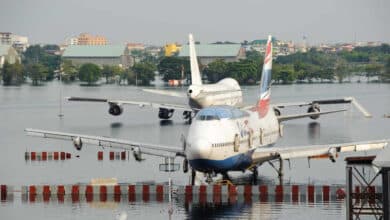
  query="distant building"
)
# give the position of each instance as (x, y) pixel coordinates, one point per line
(135, 46)
(171, 49)
(73, 41)
(88, 39)
(153, 50)
(347, 47)
(6, 38)
(208, 53)
(9, 54)
(114, 55)
(20, 43)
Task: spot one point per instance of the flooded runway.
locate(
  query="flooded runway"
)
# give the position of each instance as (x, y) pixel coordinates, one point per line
(38, 107)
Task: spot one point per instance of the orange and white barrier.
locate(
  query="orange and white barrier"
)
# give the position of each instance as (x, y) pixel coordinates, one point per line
(191, 194)
(113, 155)
(6, 192)
(44, 156)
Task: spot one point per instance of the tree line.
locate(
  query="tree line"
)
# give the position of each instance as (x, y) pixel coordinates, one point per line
(39, 64)
(308, 67)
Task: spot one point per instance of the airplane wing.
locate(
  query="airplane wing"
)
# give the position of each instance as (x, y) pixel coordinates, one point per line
(330, 151)
(166, 92)
(305, 115)
(137, 148)
(128, 102)
(344, 100)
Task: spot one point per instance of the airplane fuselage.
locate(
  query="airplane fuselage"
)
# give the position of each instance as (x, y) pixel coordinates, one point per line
(224, 92)
(223, 138)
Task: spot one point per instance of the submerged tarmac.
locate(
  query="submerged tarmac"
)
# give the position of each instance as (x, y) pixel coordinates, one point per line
(37, 107)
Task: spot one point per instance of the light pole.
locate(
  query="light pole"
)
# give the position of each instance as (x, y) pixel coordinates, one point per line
(60, 114)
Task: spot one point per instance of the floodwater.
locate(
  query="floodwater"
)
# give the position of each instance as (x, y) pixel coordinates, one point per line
(38, 107)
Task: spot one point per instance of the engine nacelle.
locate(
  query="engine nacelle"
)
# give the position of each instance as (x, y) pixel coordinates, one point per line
(332, 154)
(277, 112)
(115, 109)
(137, 154)
(78, 143)
(165, 113)
(312, 109)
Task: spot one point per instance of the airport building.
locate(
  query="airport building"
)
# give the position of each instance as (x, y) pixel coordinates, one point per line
(9, 54)
(208, 53)
(114, 55)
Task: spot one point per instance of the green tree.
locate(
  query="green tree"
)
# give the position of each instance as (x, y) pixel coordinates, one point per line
(244, 71)
(174, 68)
(216, 70)
(109, 72)
(45, 56)
(129, 76)
(373, 69)
(12, 74)
(37, 73)
(144, 72)
(341, 69)
(69, 71)
(283, 73)
(89, 73)
(385, 75)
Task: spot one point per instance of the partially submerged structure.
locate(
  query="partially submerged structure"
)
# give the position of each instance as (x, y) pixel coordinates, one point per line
(363, 197)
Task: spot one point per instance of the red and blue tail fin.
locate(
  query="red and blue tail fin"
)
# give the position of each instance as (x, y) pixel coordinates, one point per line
(265, 84)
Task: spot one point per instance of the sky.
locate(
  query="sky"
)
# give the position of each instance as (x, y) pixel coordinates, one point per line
(158, 22)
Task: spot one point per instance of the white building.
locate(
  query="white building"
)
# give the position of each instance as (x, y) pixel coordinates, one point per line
(20, 43)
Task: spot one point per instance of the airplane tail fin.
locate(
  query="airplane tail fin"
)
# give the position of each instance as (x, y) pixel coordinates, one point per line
(195, 73)
(265, 84)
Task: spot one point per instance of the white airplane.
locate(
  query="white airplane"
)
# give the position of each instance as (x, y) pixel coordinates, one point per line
(226, 138)
(225, 92)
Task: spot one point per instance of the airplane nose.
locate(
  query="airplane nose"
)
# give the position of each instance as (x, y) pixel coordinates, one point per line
(199, 149)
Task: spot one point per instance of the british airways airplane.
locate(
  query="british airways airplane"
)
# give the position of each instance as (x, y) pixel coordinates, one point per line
(225, 138)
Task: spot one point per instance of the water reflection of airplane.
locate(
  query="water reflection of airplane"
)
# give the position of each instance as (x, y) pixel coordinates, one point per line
(225, 138)
(225, 92)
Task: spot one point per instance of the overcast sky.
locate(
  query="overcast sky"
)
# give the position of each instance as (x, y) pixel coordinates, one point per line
(161, 21)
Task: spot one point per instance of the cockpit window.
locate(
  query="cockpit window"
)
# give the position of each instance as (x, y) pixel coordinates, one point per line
(207, 117)
(220, 112)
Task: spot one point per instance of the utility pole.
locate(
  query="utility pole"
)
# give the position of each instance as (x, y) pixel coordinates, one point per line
(60, 114)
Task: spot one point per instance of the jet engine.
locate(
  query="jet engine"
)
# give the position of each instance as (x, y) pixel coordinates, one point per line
(115, 109)
(314, 108)
(78, 144)
(165, 113)
(277, 112)
(332, 154)
(137, 154)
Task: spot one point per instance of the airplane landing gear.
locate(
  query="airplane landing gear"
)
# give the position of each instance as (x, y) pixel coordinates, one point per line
(279, 171)
(187, 115)
(193, 175)
(209, 178)
(255, 174)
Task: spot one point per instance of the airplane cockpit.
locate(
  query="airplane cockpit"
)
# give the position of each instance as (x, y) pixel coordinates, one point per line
(220, 112)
